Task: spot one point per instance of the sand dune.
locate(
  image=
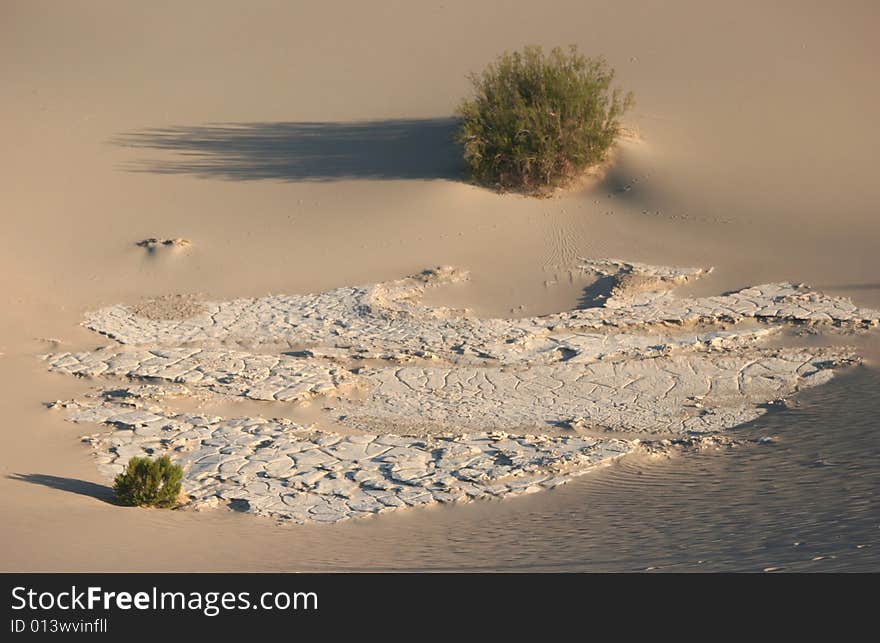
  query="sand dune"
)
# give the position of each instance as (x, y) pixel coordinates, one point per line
(299, 152)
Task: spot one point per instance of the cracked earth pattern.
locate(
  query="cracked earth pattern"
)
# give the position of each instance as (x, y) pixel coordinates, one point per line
(439, 405)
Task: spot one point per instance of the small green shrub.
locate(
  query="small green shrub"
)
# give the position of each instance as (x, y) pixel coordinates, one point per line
(538, 121)
(149, 483)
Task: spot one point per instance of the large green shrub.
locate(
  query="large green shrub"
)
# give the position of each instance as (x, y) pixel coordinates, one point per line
(149, 483)
(538, 121)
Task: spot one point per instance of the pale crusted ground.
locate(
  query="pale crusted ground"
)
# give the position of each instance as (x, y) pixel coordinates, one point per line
(482, 400)
(386, 320)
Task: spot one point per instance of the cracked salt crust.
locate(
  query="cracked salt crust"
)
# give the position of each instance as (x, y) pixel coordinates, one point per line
(652, 396)
(285, 471)
(479, 398)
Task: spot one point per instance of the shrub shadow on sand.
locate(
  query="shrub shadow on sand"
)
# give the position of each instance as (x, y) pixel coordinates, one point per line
(304, 151)
(71, 485)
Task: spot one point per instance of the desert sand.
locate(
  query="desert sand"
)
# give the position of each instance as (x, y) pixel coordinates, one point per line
(299, 150)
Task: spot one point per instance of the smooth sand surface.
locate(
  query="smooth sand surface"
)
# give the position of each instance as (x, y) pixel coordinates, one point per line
(305, 148)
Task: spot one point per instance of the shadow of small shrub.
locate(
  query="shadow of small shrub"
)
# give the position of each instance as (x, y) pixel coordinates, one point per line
(538, 121)
(149, 483)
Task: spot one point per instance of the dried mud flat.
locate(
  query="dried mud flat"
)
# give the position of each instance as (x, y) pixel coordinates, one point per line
(437, 404)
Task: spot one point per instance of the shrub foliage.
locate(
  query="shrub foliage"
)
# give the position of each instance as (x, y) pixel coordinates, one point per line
(149, 483)
(536, 121)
